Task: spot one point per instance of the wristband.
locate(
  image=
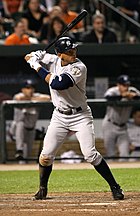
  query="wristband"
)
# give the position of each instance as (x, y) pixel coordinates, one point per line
(42, 72)
(36, 65)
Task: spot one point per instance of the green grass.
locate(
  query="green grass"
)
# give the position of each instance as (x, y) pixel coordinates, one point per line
(67, 181)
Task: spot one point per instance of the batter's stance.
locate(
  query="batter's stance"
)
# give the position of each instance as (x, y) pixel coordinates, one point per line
(67, 80)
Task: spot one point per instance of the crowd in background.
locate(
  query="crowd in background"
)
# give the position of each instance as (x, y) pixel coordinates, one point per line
(25, 22)
(40, 21)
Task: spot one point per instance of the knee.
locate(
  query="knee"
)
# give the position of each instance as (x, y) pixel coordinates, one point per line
(45, 160)
(94, 159)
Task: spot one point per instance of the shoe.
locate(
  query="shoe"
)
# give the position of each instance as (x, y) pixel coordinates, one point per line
(117, 192)
(41, 194)
(19, 155)
(12, 137)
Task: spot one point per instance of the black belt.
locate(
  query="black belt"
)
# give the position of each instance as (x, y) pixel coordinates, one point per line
(137, 149)
(120, 125)
(29, 129)
(70, 111)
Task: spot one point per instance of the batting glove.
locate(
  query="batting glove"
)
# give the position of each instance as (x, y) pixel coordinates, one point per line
(33, 62)
(39, 54)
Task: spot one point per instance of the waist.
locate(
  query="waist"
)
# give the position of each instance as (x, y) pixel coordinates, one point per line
(137, 148)
(115, 123)
(70, 111)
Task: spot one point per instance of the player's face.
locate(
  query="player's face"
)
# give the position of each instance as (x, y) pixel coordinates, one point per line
(68, 57)
(123, 88)
(28, 91)
(136, 117)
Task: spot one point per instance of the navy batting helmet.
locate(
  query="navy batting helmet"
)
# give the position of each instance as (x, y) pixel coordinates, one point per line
(64, 44)
(123, 79)
(28, 84)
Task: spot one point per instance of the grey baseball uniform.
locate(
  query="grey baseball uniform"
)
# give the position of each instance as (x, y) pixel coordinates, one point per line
(134, 138)
(23, 127)
(114, 125)
(67, 81)
(74, 100)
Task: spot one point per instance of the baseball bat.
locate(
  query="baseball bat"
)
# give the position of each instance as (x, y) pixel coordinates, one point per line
(68, 27)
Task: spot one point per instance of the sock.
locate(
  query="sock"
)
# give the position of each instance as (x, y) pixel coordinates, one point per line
(104, 170)
(44, 175)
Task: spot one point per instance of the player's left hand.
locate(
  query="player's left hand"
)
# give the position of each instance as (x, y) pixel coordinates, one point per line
(32, 60)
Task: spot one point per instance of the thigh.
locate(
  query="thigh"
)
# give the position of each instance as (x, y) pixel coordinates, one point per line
(54, 137)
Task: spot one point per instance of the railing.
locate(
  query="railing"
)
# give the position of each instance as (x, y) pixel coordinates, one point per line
(11, 104)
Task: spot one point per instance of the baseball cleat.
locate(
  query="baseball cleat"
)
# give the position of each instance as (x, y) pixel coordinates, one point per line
(41, 194)
(117, 192)
(19, 155)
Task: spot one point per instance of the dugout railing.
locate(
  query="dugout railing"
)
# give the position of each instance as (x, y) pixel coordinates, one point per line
(98, 107)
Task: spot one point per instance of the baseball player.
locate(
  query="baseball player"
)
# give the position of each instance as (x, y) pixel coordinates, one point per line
(24, 122)
(114, 123)
(133, 128)
(67, 81)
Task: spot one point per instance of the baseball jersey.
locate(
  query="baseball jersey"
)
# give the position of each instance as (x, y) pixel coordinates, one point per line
(134, 134)
(28, 114)
(74, 96)
(118, 114)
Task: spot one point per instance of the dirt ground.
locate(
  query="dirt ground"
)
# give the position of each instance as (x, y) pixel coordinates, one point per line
(69, 204)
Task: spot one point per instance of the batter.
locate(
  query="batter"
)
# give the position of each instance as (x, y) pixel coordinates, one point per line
(67, 80)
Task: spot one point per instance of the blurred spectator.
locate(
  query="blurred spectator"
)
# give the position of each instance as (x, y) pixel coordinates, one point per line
(34, 18)
(47, 5)
(68, 15)
(55, 28)
(55, 12)
(114, 124)
(2, 32)
(19, 37)
(134, 134)
(24, 120)
(99, 32)
(132, 9)
(13, 8)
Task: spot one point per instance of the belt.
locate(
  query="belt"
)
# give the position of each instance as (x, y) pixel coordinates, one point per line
(70, 111)
(120, 125)
(137, 149)
(29, 129)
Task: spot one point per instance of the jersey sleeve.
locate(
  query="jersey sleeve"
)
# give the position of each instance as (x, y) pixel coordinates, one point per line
(76, 73)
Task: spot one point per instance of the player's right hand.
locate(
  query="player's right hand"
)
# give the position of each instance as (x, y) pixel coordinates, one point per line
(38, 54)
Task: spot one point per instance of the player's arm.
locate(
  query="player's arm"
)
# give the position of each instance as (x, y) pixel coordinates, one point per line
(34, 60)
(61, 82)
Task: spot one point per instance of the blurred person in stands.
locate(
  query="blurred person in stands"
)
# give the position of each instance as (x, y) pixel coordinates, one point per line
(47, 5)
(12, 8)
(115, 121)
(34, 18)
(19, 36)
(55, 28)
(133, 128)
(24, 121)
(99, 33)
(132, 9)
(68, 15)
(55, 12)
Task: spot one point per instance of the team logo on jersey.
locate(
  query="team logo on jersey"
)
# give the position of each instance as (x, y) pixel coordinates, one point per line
(75, 71)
